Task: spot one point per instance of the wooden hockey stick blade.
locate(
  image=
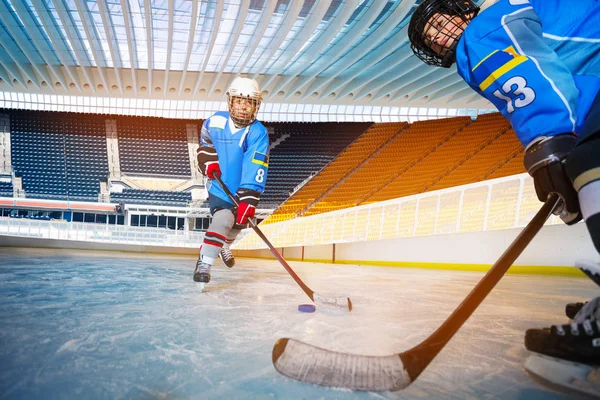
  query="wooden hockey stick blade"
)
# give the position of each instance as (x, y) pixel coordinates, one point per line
(307, 363)
(343, 303)
(338, 302)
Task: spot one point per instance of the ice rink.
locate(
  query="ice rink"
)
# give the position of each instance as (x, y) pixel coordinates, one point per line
(111, 325)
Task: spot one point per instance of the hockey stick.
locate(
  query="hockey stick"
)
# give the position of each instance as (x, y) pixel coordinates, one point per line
(304, 362)
(338, 302)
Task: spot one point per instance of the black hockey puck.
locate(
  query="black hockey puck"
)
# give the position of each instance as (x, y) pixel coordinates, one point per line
(306, 308)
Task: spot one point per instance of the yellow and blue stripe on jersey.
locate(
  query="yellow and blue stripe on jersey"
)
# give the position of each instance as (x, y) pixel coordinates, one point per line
(496, 64)
(260, 159)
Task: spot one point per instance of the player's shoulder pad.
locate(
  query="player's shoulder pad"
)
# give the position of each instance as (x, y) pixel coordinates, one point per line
(218, 120)
(485, 38)
(258, 127)
(495, 18)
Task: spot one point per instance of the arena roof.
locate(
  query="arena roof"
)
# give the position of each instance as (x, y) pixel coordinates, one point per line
(317, 53)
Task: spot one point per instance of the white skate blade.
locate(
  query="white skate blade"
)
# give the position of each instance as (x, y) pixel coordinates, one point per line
(582, 378)
(201, 286)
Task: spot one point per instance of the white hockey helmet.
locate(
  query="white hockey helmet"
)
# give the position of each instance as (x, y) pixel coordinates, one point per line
(243, 100)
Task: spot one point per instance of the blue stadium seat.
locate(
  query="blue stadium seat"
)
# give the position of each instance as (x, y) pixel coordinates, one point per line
(153, 197)
(153, 147)
(59, 155)
(64, 155)
(309, 148)
(6, 189)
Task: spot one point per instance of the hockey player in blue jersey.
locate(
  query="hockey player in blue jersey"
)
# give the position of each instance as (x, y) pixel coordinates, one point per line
(538, 62)
(234, 146)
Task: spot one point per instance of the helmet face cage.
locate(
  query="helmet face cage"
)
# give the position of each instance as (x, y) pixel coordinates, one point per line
(242, 119)
(243, 100)
(439, 13)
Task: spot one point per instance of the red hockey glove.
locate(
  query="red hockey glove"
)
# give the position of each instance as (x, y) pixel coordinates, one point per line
(245, 211)
(208, 162)
(212, 169)
(247, 202)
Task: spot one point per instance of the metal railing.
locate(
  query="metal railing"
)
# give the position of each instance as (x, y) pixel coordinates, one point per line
(502, 203)
(99, 233)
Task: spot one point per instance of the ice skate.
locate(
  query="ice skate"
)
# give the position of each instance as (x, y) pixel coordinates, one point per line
(572, 309)
(202, 273)
(577, 342)
(227, 257)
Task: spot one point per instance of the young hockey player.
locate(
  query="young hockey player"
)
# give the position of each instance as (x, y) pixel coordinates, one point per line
(538, 62)
(234, 146)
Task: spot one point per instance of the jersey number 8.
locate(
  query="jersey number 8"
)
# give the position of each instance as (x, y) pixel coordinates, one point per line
(260, 176)
(516, 86)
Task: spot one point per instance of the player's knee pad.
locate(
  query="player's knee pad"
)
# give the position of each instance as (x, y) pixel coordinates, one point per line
(583, 168)
(222, 221)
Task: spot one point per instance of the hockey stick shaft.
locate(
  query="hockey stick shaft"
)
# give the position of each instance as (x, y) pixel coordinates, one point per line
(418, 358)
(309, 292)
(307, 363)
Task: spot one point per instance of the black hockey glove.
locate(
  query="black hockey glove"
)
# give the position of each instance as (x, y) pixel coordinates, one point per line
(545, 162)
(208, 161)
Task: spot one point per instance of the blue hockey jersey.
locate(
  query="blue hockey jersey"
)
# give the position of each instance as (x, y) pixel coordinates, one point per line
(243, 153)
(537, 61)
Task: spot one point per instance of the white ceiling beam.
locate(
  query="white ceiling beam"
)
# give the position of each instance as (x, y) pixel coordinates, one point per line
(402, 73)
(169, 45)
(149, 43)
(40, 43)
(257, 35)
(394, 46)
(476, 97)
(396, 86)
(213, 37)
(73, 38)
(131, 43)
(393, 61)
(466, 92)
(319, 44)
(240, 20)
(437, 85)
(430, 78)
(93, 39)
(26, 72)
(57, 40)
(407, 90)
(341, 47)
(4, 75)
(24, 45)
(113, 46)
(443, 92)
(311, 21)
(190, 43)
(13, 68)
(292, 13)
(364, 50)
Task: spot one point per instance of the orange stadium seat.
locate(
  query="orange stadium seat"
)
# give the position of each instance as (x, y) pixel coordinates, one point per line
(424, 156)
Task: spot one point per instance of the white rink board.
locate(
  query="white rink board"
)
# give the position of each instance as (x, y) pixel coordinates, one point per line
(555, 245)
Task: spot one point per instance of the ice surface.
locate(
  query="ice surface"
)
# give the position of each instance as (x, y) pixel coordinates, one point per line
(110, 325)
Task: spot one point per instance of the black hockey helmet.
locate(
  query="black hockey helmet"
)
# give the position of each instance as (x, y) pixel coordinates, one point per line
(421, 45)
